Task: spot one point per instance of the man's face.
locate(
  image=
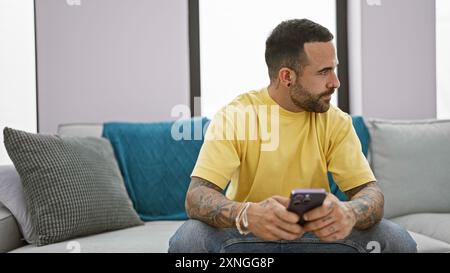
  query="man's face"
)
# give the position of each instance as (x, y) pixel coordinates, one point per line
(313, 88)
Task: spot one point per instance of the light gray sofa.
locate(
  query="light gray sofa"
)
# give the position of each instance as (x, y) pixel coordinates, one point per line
(409, 159)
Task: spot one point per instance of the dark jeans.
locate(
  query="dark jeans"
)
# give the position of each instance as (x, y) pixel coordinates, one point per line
(196, 236)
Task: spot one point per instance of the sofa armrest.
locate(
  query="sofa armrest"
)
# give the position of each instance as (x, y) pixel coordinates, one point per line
(10, 236)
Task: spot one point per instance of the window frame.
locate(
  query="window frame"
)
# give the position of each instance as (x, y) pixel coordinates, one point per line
(342, 52)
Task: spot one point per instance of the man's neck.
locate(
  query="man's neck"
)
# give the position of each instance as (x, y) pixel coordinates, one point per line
(281, 96)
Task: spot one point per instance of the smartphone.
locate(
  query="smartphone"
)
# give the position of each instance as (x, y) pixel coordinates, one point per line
(303, 200)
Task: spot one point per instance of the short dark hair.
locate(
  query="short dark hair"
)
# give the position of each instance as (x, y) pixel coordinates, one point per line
(285, 45)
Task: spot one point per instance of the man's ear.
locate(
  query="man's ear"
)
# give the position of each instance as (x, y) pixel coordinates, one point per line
(286, 76)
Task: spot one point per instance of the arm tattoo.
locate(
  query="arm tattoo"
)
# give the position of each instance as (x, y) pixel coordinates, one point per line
(206, 202)
(367, 202)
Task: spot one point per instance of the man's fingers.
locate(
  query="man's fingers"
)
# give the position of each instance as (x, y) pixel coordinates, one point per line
(291, 228)
(326, 231)
(332, 237)
(286, 215)
(282, 200)
(320, 212)
(319, 224)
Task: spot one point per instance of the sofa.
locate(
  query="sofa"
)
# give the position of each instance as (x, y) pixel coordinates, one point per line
(409, 158)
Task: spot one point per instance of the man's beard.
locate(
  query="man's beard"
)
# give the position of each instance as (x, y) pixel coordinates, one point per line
(307, 101)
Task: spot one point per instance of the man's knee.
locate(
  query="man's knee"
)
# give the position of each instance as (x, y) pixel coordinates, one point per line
(401, 240)
(193, 236)
(388, 237)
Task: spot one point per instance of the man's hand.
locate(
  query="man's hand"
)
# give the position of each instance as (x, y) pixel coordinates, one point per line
(332, 221)
(270, 220)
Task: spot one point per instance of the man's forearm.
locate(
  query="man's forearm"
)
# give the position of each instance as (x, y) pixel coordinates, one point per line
(367, 202)
(206, 202)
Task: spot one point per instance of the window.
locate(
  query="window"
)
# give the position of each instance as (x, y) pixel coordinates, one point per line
(232, 43)
(17, 69)
(443, 58)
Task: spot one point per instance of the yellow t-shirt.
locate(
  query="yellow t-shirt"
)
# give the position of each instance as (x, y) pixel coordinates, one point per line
(265, 150)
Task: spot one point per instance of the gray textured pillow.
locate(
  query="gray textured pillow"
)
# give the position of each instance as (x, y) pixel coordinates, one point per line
(72, 185)
(411, 160)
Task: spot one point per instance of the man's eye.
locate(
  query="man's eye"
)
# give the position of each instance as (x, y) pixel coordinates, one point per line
(325, 72)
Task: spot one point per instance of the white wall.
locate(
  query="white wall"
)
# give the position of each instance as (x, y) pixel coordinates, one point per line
(232, 43)
(392, 58)
(17, 69)
(111, 60)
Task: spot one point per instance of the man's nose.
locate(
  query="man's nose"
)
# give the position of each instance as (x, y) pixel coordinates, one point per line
(333, 81)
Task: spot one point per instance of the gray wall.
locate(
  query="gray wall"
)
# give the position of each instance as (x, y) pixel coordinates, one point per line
(392, 61)
(111, 60)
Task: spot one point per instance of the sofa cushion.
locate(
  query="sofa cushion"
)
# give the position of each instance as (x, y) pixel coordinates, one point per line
(12, 197)
(434, 225)
(427, 244)
(72, 186)
(156, 160)
(81, 129)
(153, 237)
(10, 237)
(410, 160)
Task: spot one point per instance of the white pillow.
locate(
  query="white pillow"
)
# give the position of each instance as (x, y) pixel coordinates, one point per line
(12, 197)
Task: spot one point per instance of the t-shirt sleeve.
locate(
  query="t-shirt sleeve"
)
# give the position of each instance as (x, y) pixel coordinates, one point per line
(219, 156)
(345, 158)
